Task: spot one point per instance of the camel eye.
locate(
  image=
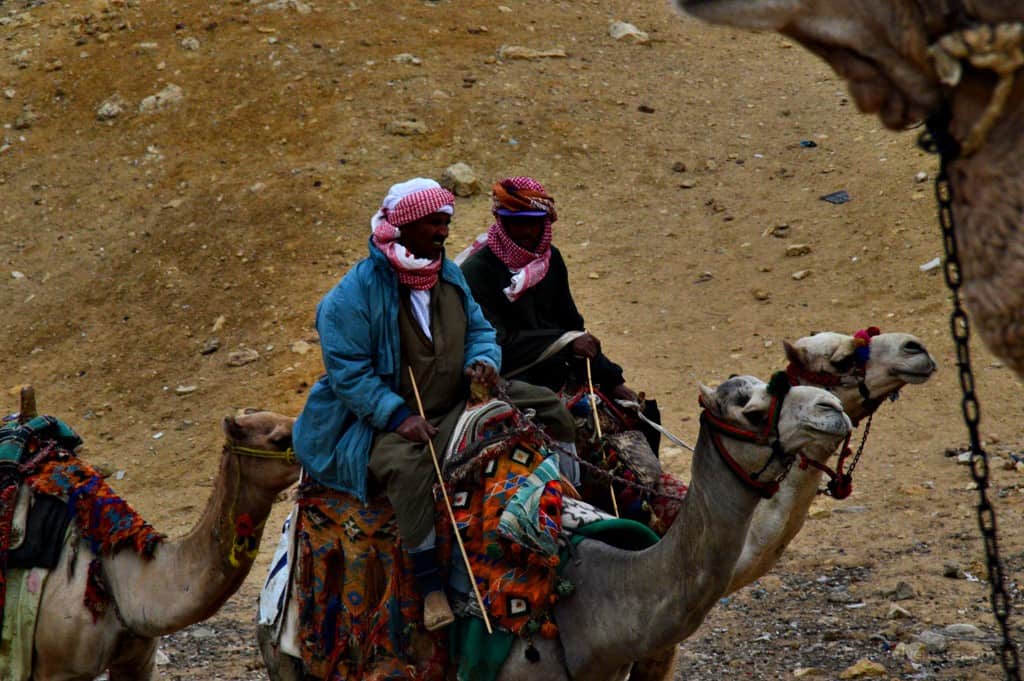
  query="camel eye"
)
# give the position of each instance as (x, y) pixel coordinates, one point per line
(913, 347)
(843, 365)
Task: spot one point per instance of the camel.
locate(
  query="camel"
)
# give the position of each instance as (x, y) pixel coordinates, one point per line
(827, 360)
(615, 616)
(951, 61)
(186, 581)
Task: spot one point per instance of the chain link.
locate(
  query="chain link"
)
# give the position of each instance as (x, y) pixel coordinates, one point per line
(936, 140)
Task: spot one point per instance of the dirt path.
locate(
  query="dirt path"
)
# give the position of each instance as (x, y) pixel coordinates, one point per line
(130, 244)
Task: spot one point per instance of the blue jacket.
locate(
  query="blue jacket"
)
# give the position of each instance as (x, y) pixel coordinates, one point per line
(358, 326)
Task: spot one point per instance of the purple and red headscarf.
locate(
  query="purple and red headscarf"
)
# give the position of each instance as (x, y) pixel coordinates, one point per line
(408, 202)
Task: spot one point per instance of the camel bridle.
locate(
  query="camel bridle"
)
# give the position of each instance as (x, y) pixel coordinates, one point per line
(766, 436)
(287, 455)
(992, 47)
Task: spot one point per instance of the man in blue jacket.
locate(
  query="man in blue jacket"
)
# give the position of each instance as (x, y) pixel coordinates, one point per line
(403, 306)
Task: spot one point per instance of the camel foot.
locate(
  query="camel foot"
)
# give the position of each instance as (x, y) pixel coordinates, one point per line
(437, 614)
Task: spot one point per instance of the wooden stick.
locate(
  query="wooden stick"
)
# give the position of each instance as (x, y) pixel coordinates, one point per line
(451, 513)
(597, 427)
(28, 405)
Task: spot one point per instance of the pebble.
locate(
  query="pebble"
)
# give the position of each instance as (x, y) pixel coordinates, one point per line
(934, 642)
(902, 592)
(218, 324)
(913, 651)
(508, 52)
(242, 357)
(688, 184)
(300, 347)
(161, 659)
(953, 571)
(801, 274)
(170, 96)
(679, 167)
(762, 295)
(406, 127)
(460, 179)
(808, 672)
(25, 119)
(17, 275)
(863, 668)
(111, 108)
(185, 389)
(10, 92)
(406, 58)
(963, 458)
(932, 264)
(777, 231)
(190, 43)
(921, 176)
(897, 612)
(796, 250)
(962, 630)
(210, 347)
(158, 435)
(202, 632)
(593, 275)
(621, 30)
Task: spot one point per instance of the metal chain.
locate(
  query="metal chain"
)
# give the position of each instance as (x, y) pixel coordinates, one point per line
(860, 449)
(936, 139)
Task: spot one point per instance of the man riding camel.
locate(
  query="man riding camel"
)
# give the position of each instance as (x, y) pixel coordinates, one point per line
(405, 306)
(521, 282)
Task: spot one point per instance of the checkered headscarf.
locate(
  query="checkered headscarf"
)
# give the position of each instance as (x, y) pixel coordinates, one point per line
(407, 202)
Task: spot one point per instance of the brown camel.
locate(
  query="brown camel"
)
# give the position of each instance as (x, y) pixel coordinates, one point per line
(185, 582)
(957, 62)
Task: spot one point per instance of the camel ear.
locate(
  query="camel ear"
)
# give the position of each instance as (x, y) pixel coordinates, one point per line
(230, 427)
(794, 354)
(707, 397)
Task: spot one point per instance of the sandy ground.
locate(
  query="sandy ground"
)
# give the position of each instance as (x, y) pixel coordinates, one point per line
(128, 244)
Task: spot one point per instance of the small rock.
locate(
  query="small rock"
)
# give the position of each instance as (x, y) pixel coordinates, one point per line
(218, 323)
(508, 52)
(964, 458)
(161, 659)
(185, 389)
(808, 672)
(913, 651)
(777, 231)
(170, 96)
(933, 641)
(897, 612)
(688, 184)
(211, 347)
(932, 264)
(902, 592)
(679, 167)
(190, 43)
(620, 30)
(53, 65)
(593, 275)
(25, 119)
(796, 250)
(202, 632)
(762, 295)
(801, 274)
(300, 347)
(953, 571)
(406, 58)
(406, 127)
(9, 93)
(158, 435)
(242, 357)
(112, 107)
(460, 180)
(851, 508)
(120, 475)
(863, 668)
(17, 275)
(922, 176)
(841, 596)
(22, 59)
(961, 630)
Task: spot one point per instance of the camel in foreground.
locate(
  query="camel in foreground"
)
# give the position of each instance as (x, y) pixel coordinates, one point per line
(824, 359)
(911, 60)
(186, 580)
(615, 615)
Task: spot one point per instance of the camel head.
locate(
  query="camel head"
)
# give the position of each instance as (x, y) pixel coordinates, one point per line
(263, 441)
(856, 372)
(807, 418)
(961, 64)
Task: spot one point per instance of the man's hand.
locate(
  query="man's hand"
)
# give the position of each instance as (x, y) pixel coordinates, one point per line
(482, 373)
(415, 428)
(586, 345)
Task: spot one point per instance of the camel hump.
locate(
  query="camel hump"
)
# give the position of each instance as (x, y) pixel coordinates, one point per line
(28, 409)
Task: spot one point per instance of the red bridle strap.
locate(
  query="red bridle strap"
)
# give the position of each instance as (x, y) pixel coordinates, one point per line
(840, 484)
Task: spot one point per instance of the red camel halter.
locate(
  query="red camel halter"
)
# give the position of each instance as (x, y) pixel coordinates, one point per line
(840, 484)
(767, 436)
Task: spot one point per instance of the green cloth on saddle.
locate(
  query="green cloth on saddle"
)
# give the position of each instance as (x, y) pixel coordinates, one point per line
(24, 594)
(481, 655)
(19, 441)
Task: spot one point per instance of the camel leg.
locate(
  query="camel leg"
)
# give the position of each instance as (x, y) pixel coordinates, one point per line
(658, 666)
(134, 660)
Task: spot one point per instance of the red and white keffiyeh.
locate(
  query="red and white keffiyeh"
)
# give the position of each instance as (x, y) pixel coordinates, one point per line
(407, 202)
(528, 268)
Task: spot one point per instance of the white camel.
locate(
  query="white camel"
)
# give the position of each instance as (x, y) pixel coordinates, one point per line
(615, 616)
(185, 581)
(958, 62)
(826, 360)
